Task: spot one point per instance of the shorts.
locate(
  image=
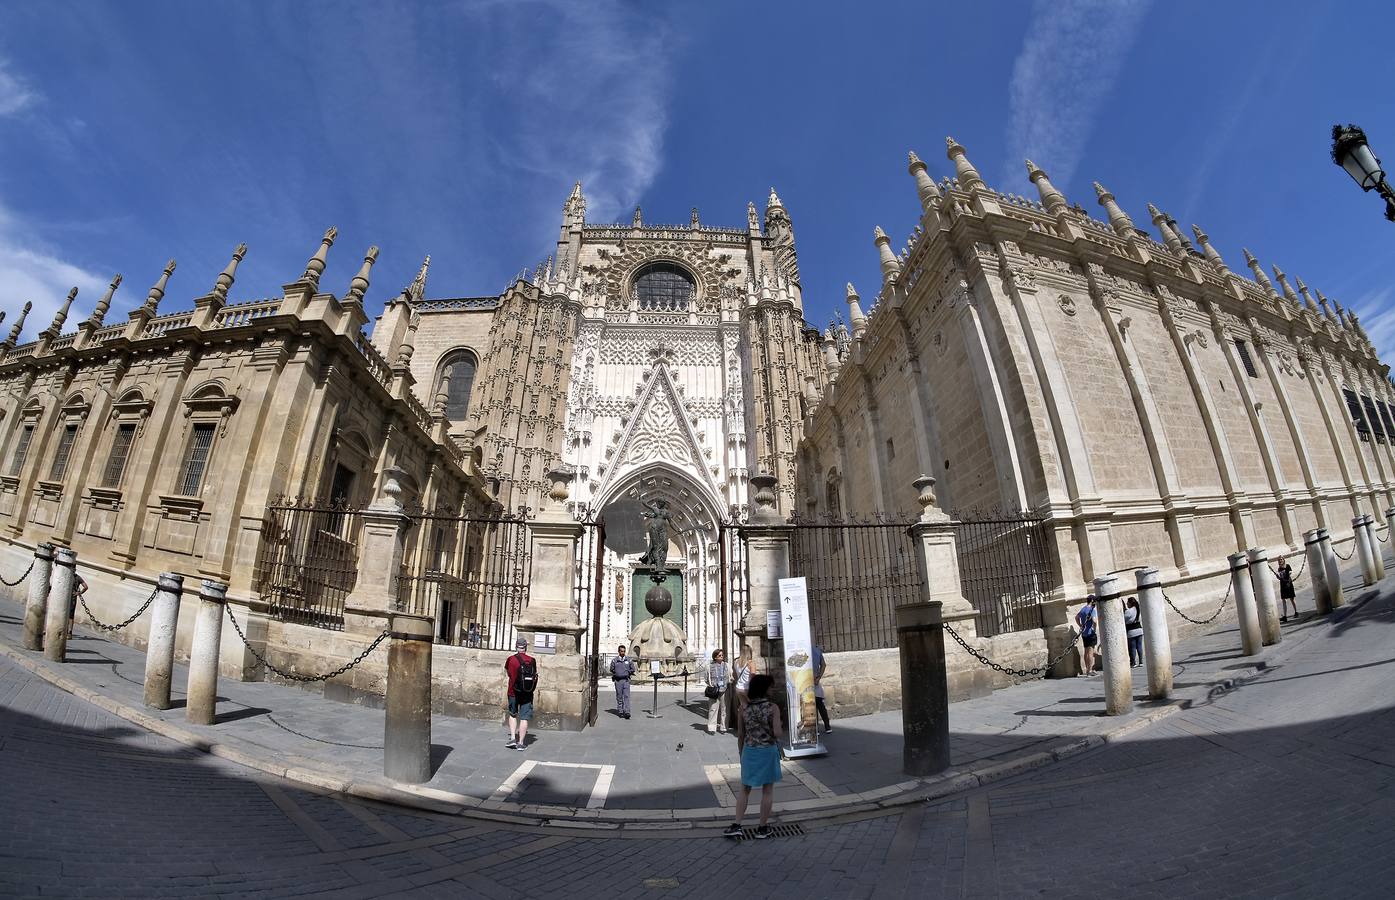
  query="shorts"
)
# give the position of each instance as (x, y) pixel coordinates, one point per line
(760, 765)
(522, 711)
(1091, 640)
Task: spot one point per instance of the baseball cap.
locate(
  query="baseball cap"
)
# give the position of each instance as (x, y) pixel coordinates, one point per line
(521, 643)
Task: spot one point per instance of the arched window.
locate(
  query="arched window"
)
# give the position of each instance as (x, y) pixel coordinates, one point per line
(663, 286)
(457, 377)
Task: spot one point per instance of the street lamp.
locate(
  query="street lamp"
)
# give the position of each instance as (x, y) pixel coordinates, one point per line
(1353, 154)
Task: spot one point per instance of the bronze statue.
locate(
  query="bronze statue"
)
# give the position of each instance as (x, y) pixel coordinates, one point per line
(656, 517)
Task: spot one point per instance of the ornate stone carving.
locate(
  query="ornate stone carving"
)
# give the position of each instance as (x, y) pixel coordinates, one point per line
(1067, 304)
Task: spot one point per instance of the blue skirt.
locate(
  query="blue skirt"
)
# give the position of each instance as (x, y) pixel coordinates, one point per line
(760, 765)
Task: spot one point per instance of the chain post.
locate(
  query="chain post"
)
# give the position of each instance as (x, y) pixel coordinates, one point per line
(159, 644)
(36, 606)
(202, 691)
(59, 618)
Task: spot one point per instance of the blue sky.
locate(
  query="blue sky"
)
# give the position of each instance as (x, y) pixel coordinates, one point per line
(132, 133)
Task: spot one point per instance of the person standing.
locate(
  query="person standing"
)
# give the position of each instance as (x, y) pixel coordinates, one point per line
(716, 693)
(820, 666)
(1133, 627)
(759, 734)
(522, 671)
(621, 670)
(1286, 595)
(1089, 637)
(746, 666)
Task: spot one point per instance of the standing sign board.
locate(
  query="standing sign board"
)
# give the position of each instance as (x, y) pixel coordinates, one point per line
(803, 716)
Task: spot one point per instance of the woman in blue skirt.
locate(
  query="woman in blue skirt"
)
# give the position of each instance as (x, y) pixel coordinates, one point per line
(759, 733)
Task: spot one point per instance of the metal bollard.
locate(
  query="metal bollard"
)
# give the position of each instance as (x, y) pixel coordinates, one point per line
(407, 724)
(58, 619)
(1377, 559)
(1245, 611)
(1266, 596)
(1114, 647)
(924, 689)
(1157, 643)
(1363, 550)
(1317, 568)
(36, 609)
(159, 640)
(202, 691)
(1334, 570)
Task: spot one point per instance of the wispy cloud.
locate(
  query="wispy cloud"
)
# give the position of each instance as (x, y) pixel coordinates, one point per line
(15, 95)
(1073, 52)
(34, 272)
(1376, 311)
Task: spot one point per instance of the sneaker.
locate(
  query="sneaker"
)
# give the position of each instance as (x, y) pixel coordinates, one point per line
(511, 745)
(828, 729)
(764, 832)
(519, 746)
(732, 831)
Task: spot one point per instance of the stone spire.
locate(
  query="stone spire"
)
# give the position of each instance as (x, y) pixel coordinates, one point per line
(1283, 285)
(157, 290)
(968, 176)
(859, 321)
(1260, 278)
(1170, 237)
(229, 275)
(830, 353)
(1307, 298)
(359, 284)
(693, 218)
(924, 184)
(18, 326)
(1118, 219)
(99, 312)
(891, 266)
(1052, 199)
(56, 328)
(752, 219)
(316, 266)
(1207, 250)
(638, 218)
(574, 210)
(408, 345)
(416, 291)
(1326, 308)
(773, 201)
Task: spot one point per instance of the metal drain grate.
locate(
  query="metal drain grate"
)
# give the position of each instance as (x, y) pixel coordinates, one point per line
(779, 831)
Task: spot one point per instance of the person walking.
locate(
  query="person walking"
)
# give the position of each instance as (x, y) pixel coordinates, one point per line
(1286, 591)
(820, 666)
(522, 671)
(1086, 619)
(759, 733)
(717, 679)
(621, 669)
(1133, 627)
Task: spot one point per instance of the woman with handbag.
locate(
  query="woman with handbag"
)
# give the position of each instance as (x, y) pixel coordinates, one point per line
(716, 689)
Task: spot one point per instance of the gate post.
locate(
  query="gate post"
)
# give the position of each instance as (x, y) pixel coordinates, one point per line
(382, 544)
(767, 561)
(36, 609)
(563, 695)
(924, 689)
(938, 562)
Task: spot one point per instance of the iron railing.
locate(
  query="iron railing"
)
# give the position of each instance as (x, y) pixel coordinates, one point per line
(858, 573)
(308, 560)
(1005, 570)
(733, 581)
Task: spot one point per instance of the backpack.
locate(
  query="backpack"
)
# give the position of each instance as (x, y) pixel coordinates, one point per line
(526, 678)
(1086, 621)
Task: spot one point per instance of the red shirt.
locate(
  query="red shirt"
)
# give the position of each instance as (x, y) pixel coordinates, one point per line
(511, 666)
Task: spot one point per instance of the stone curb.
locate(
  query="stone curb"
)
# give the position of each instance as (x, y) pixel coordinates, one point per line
(934, 788)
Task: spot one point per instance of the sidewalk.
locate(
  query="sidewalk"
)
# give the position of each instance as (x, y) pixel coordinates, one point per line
(644, 773)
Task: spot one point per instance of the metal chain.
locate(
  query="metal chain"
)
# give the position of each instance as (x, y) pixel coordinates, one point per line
(1348, 556)
(16, 582)
(1215, 615)
(304, 679)
(1015, 673)
(136, 615)
(1301, 566)
(1383, 540)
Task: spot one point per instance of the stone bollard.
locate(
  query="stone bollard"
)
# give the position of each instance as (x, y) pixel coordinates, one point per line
(1389, 529)
(1114, 647)
(1245, 611)
(36, 609)
(202, 691)
(1317, 569)
(159, 640)
(1334, 570)
(924, 689)
(1157, 643)
(407, 727)
(1266, 596)
(1377, 558)
(58, 620)
(1362, 544)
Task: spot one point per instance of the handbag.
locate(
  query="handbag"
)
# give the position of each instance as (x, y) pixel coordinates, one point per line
(712, 692)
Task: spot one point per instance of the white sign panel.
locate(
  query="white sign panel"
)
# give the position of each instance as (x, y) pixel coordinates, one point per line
(772, 624)
(799, 668)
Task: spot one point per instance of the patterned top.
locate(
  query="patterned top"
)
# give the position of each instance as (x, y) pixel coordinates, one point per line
(756, 717)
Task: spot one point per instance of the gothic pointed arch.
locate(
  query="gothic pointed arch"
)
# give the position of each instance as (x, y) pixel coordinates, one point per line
(455, 380)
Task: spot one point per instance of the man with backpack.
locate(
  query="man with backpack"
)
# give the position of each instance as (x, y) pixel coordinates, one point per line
(522, 671)
(1088, 621)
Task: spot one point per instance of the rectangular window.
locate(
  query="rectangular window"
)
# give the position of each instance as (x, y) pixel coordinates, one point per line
(196, 459)
(1244, 350)
(21, 449)
(1373, 418)
(1386, 417)
(1354, 410)
(65, 449)
(120, 450)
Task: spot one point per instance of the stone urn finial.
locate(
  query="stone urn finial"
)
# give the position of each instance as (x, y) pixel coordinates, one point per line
(925, 496)
(560, 478)
(763, 484)
(391, 492)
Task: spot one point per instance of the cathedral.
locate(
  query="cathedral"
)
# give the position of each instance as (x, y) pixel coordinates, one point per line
(1147, 402)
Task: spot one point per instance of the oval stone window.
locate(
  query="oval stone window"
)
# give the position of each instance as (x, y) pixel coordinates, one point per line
(664, 287)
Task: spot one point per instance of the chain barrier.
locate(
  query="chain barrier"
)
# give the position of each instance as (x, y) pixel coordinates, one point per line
(1383, 540)
(1015, 673)
(293, 676)
(136, 615)
(1301, 566)
(1215, 615)
(1348, 556)
(16, 582)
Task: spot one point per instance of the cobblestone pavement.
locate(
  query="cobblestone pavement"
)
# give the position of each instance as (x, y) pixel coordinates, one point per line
(1283, 786)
